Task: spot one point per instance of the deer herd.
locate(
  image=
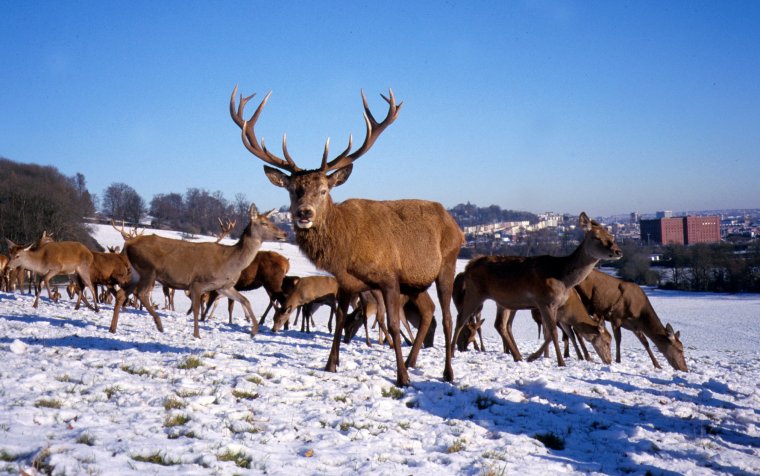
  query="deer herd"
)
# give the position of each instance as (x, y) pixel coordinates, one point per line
(381, 257)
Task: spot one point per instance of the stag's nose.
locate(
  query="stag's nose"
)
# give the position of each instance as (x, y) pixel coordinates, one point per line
(305, 213)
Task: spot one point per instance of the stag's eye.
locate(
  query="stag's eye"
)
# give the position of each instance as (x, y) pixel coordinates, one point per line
(323, 192)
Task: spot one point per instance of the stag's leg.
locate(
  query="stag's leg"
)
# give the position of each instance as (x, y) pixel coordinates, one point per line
(235, 295)
(344, 299)
(444, 286)
(426, 317)
(144, 287)
(392, 297)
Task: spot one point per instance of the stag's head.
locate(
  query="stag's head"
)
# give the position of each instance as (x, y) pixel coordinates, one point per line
(598, 242)
(309, 189)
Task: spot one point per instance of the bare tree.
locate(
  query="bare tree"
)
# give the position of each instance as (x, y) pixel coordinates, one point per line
(122, 202)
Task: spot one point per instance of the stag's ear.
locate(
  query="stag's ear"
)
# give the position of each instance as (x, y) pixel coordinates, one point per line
(253, 212)
(584, 221)
(340, 176)
(277, 177)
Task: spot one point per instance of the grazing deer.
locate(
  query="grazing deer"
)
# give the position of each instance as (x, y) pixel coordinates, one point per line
(626, 305)
(50, 259)
(307, 292)
(535, 282)
(397, 247)
(267, 270)
(197, 267)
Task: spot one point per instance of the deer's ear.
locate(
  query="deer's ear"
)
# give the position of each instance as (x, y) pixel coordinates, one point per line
(340, 176)
(277, 177)
(584, 221)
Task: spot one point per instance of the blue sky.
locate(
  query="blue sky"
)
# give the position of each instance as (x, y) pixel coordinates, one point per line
(607, 107)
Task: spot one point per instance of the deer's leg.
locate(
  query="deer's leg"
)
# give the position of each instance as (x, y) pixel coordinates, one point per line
(144, 287)
(503, 324)
(569, 336)
(84, 282)
(344, 299)
(645, 343)
(425, 319)
(618, 336)
(235, 295)
(270, 306)
(392, 297)
(586, 354)
(38, 289)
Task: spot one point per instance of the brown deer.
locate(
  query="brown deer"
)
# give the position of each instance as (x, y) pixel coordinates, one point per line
(397, 247)
(108, 270)
(267, 270)
(307, 292)
(50, 259)
(197, 267)
(535, 282)
(626, 305)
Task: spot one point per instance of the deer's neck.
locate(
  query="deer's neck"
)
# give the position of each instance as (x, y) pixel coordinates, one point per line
(577, 266)
(248, 244)
(326, 239)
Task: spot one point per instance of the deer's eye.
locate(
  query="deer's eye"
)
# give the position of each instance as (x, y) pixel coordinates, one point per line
(323, 192)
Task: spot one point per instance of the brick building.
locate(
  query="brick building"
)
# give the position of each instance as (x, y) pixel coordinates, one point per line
(681, 230)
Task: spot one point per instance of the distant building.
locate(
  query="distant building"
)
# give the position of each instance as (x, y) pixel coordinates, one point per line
(681, 230)
(664, 214)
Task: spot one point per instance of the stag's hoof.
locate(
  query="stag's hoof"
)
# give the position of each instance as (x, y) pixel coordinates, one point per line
(448, 374)
(403, 382)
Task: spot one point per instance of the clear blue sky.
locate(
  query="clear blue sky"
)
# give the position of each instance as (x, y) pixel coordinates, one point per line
(602, 106)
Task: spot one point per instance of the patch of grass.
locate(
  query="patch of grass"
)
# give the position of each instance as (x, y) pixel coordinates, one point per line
(48, 403)
(266, 374)
(551, 441)
(456, 447)
(172, 403)
(154, 458)
(176, 420)
(112, 390)
(413, 404)
(134, 371)
(254, 379)
(86, 439)
(484, 401)
(190, 362)
(7, 457)
(240, 459)
(63, 378)
(393, 392)
(186, 393)
(341, 398)
(501, 456)
(244, 395)
(492, 471)
(404, 425)
(209, 354)
(41, 461)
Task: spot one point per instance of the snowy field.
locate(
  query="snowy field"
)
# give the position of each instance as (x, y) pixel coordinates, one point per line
(76, 399)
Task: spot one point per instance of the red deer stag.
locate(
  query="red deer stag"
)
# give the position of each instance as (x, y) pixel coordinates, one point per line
(197, 267)
(400, 246)
(53, 258)
(267, 270)
(625, 305)
(535, 282)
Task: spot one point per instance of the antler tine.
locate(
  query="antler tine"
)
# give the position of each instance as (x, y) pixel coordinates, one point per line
(249, 134)
(374, 129)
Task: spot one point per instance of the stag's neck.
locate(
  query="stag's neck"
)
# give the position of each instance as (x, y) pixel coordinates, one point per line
(320, 242)
(577, 266)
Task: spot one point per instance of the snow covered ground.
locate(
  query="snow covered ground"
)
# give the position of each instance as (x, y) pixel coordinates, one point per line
(75, 399)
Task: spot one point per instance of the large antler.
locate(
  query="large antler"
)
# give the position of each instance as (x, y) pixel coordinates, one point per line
(374, 129)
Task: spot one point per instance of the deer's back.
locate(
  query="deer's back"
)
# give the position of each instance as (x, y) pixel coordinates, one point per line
(68, 256)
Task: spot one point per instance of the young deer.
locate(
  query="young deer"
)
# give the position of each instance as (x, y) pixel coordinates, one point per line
(308, 290)
(50, 259)
(397, 247)
(536, 282)
(197, 267)
(625, 305)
